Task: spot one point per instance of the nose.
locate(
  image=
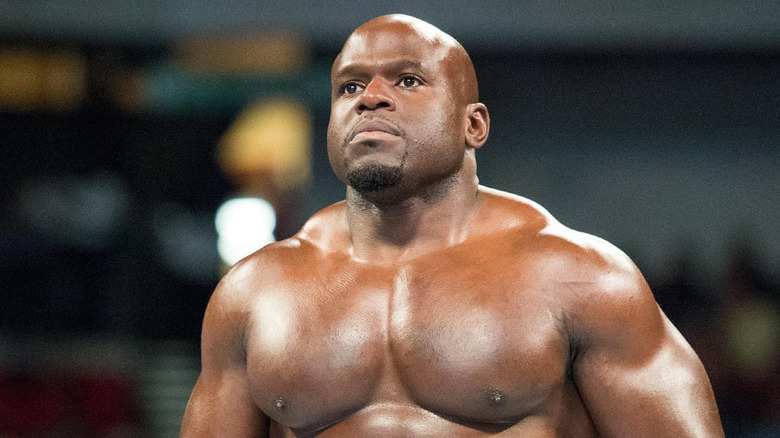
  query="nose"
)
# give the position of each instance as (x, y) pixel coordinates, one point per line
(376, 95)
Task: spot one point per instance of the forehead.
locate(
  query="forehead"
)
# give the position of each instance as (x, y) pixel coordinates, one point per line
(393, 45)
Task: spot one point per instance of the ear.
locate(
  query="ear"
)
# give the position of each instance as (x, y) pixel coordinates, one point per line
(477, 125)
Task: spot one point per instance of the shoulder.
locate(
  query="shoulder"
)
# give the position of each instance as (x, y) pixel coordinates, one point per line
(514, 217)
(600, 281)
(577, 256)
(278, 261)
(604, 297)
(597, 285)
(264, 268)
(233, 304)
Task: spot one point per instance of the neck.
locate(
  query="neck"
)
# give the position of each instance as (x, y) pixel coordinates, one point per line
(433, 219)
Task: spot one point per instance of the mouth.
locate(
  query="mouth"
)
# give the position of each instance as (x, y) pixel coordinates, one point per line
(374, 130)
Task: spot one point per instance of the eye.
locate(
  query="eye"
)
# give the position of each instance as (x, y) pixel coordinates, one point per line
(410, 81)
(350, 88)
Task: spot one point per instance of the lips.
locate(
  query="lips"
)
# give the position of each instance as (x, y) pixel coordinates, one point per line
(374, 130)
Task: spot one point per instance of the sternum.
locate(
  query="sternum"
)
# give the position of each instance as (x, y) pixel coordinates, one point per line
(391, 388)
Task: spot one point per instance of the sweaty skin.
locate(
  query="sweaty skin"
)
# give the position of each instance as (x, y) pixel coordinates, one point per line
(426, 305)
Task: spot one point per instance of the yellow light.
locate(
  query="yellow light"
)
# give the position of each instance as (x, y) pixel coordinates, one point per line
(276, 54)
(270, 140)
(32, 79)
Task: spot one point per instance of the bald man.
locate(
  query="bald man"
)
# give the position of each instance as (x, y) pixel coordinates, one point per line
(426, 305)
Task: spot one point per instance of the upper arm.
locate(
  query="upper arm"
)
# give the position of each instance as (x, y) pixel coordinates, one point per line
(635, 372)
(221, 404)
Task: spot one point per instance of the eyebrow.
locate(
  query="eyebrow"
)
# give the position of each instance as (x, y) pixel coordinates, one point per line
(393, 65)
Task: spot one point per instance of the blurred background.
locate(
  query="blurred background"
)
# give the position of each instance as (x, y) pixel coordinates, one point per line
(146, 145)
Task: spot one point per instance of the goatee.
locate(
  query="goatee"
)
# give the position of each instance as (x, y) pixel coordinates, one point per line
(375, 177)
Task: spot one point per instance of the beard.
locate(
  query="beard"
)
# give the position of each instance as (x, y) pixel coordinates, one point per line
(375, 177)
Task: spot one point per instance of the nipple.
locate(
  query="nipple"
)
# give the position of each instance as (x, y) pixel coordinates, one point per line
(496, 397)
(280, 403)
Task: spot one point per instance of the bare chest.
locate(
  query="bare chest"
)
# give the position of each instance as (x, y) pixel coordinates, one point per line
(479, 344)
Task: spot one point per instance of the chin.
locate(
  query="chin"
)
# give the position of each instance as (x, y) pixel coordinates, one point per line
(375, 178)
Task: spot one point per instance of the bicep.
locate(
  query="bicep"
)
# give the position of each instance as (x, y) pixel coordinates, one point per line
(221, 403)
(661, 392)
(635, 372)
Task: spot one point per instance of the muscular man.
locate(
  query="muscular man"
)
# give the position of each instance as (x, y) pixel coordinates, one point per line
(426, 305)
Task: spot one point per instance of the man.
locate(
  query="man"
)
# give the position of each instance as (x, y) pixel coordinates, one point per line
(426, 305)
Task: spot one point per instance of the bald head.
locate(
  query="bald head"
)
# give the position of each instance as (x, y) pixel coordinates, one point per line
(423, 29)
(404, 109)
(455, 61)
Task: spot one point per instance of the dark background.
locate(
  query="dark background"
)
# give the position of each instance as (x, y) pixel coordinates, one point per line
(654, 125)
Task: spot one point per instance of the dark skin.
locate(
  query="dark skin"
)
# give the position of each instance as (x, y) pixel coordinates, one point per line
(426, 305)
